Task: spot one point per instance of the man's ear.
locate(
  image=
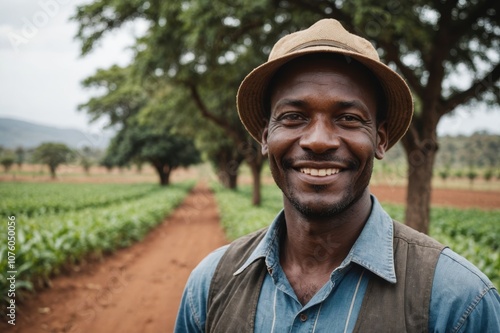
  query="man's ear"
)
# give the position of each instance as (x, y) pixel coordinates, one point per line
(382, 140)
(265, 132)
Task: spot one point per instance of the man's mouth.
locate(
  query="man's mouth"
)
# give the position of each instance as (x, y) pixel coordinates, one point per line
(319, 172)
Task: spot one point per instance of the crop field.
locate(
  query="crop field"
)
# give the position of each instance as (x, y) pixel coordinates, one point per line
(61, 224)
(472, 233)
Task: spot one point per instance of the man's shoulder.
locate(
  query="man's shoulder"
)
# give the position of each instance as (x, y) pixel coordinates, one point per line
(471, 301)
(204, 271)
(412, 236)
(206, 268)
(452, 267)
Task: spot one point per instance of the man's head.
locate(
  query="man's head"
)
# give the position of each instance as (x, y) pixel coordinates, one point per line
(323, 133)
(325, 36)
(323, 107)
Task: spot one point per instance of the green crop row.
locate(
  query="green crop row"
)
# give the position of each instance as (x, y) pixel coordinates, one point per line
(238, 216)
(46, 244)
(36, 199)
(472, 233)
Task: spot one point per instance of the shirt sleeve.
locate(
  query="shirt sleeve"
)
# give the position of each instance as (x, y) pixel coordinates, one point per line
(193, 307)
(463, 299)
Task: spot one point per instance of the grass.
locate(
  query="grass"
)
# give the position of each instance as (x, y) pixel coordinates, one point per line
(37, 199)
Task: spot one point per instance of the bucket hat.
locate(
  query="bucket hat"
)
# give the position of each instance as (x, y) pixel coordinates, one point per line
(325, 36)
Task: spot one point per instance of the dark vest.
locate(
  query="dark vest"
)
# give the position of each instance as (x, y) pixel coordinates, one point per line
(400, 307)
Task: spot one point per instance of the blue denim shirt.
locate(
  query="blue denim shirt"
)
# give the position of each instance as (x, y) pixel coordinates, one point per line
(462, 300)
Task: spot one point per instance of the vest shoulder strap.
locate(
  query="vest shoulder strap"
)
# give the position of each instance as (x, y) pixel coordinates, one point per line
(236, 295)
(403, 306)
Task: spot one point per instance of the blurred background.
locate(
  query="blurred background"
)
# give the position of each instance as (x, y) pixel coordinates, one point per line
(101, 101)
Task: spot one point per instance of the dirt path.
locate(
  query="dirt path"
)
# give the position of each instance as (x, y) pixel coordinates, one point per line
(138, 289)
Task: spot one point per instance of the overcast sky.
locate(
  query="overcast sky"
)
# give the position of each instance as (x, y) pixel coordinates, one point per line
(41, 70)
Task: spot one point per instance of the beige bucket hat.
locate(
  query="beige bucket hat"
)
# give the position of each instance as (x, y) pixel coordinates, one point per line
(326, 35)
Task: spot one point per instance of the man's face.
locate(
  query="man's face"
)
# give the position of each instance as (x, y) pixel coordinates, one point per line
(322, 135)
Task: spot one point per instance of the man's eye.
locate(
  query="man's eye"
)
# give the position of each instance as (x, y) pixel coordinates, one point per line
(291, 117)
(349, 118)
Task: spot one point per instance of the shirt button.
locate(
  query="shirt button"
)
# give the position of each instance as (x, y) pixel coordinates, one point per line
(303, 317)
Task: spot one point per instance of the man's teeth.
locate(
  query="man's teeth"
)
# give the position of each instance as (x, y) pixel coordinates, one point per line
(319, 172)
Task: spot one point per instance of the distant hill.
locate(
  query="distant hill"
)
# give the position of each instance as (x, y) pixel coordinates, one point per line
(18, 133)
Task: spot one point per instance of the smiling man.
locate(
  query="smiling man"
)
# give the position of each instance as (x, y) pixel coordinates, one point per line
(323, 108)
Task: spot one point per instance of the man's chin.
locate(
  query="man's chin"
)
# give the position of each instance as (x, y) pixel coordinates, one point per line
(320, 211)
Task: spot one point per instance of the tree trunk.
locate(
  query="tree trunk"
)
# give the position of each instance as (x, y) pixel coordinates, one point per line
(228, 180)
(255, 160)
(418, 199)
(165, 175)
(256, 168)
(52, 169)
(163, 172)
(228, 167)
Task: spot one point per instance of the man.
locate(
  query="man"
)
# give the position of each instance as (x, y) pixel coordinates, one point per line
(323, 107)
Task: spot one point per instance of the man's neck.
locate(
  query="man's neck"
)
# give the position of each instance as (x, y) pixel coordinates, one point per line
(322, 244)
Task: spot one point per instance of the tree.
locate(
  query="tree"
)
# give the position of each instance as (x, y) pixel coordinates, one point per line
(488, 174)
(7, 161)
(20, 154)
(53, 154)
(122, 97)
(471, 174)
(163, 149)
(446, 50)
(85, 159)
(208, 81)
(107, 162)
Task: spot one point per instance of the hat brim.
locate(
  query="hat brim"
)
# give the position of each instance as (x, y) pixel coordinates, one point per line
(251, 93)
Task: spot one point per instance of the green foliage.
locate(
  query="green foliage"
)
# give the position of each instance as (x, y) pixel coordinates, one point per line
(121, 96)
(53, 154)
(38, 199)
(20, 156)
(471, 174)
(48, 241)
(471, 233)
(238, 216)
(482, 150)
(488, 175)
(444, 174)
(122, 101)
(203, 49)
(88, 157)
(164, 149)
(7, 161)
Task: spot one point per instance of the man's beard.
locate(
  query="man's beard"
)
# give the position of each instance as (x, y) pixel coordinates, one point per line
(349, 197)
(324, 213)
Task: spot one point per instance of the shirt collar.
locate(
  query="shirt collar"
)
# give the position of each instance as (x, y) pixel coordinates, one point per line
(374, 247)
(372, 250)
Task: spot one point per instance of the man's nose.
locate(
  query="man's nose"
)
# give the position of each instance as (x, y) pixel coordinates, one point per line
(320, 136)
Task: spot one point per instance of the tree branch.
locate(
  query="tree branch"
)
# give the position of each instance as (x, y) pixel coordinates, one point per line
(459, 28)
(228, 128)
(477, 88)
(409, 75)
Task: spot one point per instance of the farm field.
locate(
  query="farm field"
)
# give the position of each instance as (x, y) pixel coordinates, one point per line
(60, 225)
(89, 296)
